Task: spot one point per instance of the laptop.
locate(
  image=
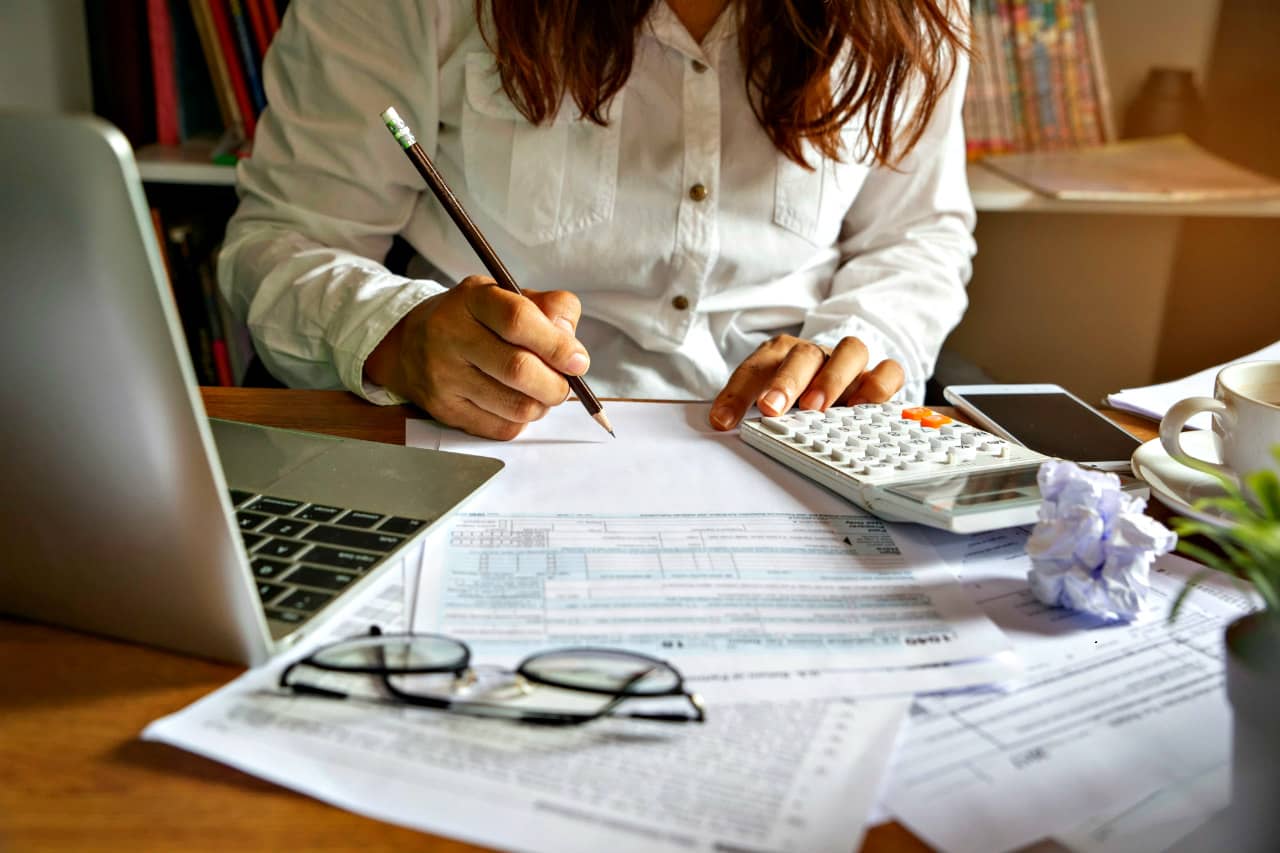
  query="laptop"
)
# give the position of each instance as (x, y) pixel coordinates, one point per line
(125, 510)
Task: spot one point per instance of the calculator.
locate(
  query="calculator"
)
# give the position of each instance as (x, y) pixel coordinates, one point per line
(909, 464)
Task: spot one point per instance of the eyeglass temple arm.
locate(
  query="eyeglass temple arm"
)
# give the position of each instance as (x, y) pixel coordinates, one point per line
(308, 689)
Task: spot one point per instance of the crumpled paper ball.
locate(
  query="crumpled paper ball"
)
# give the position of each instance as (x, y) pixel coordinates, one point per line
(1093, 547)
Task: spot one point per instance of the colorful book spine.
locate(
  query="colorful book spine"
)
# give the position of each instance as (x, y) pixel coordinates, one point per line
(249, 57)
(1101, 88)
(226, 97)
(1006, 136)
(1023, 35)
(164, 75)
(1009, 56)
(1091, 126)
(258, 25)
(226, 39)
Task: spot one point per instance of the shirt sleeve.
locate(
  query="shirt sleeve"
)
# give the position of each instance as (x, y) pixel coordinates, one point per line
(906, 252)
(327, 188)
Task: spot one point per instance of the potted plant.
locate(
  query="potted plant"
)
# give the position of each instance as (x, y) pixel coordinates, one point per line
(1249, 548)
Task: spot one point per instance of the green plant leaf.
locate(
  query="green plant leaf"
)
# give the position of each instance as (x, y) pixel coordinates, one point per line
(1195, 581)
(1265, 486)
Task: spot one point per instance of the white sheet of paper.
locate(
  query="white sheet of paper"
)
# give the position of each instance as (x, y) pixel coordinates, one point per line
(1107, 713)
(783, 775)
(747, 605)
(1154, 400)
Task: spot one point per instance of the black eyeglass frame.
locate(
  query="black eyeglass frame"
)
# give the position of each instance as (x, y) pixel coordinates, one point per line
(493, 710)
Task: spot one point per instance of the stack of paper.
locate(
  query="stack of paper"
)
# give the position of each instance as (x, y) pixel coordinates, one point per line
(1154, 400)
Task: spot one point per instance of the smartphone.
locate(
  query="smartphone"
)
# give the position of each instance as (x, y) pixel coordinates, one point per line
(1048, 419)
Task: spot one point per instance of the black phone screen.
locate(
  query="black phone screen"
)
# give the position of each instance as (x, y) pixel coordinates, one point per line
(1057, 425)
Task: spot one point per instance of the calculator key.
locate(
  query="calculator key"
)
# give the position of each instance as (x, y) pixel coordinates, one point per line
(264, 568)
(361, 539)
(275, 506)
(935, 420)
(915, 413)
(281, 548)
(319, 512)
(403, 526)
(269, 591)
(341, 559)
(285, 527)
(239, 496)
(322, 578)
(250, 520)
(360, 519)
(251, 539)
(285, 616)
(305, 600)
(777, 426)
(839, 454)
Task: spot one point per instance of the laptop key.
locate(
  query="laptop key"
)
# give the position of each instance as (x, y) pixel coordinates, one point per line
(250, 520)
(403, 526)
(322, 578)
(352, 538)
(356, 518)
(341, 559)
(281, 548)
(239, 496)
(275, 506)
(264, 568)
(319, 512)
(284, 615)
(251, 539)
(285, 527)
(269, 591)
(305, 600)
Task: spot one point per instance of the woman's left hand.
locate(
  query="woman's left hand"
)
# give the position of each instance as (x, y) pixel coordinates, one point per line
(786, 370)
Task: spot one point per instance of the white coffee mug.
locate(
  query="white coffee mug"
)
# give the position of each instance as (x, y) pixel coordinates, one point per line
(1246, 418)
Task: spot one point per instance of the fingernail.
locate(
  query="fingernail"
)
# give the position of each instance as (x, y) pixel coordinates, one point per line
(722, 417)
(578, 363)
(813, 400)
(564, 323)
(775, 400)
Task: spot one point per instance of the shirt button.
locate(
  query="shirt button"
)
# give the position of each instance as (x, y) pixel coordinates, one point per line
(699, 192)
(699, 66)
(680, 303)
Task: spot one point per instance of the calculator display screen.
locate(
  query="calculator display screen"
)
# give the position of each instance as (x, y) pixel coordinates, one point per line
(963, 493)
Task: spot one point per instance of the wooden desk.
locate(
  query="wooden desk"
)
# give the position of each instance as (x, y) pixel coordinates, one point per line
(73, 774)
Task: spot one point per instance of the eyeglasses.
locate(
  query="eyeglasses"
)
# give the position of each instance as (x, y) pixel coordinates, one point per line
(561, 687)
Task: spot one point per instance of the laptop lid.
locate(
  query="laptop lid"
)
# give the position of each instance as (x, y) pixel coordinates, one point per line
(117, 518)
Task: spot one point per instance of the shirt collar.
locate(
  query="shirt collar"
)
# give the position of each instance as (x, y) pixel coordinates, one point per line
(666, 27)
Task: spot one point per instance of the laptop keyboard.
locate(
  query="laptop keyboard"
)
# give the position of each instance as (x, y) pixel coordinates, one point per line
(304, 554)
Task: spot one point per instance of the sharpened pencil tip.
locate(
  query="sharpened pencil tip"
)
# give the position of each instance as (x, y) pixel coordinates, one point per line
(611, 434)
(600, 418)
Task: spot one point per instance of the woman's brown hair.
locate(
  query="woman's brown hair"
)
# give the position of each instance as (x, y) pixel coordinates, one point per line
(812, 65)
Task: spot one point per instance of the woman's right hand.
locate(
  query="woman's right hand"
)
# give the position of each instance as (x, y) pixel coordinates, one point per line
(482, 358)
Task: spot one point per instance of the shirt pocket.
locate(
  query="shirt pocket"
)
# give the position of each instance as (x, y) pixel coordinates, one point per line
(813, 202)
(541, 182)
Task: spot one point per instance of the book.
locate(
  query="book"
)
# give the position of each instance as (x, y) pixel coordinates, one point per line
(1100, 86)
(199, 113)
(258, 25)
(164, 75)
(249, 57)
(228, 105)
(1158, 169)
(226, 45)
(120, 68)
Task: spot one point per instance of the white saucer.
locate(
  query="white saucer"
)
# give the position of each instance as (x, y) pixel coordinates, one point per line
(1176, 485)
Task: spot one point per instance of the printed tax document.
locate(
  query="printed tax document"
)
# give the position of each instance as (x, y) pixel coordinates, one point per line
(1106, 715)
(683, 542)
(780, 776)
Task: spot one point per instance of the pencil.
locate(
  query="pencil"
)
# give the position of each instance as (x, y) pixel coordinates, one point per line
(476, 238)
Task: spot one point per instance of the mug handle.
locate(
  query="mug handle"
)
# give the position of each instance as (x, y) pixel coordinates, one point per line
(1182, 411)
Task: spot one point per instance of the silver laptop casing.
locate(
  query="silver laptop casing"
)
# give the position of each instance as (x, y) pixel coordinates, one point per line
(114, 508)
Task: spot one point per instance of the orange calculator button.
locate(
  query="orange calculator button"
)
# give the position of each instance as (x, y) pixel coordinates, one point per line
(934, 419)
(918, 413)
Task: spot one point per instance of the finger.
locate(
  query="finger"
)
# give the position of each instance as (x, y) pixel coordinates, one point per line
(747, 382)
(512, 374)
(560, 306)
(846, 363)
(502, 400)
(519, 321)
(878, 384)
(792, 376)
(466, 415)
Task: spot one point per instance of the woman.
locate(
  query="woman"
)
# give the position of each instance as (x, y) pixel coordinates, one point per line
(762, 201)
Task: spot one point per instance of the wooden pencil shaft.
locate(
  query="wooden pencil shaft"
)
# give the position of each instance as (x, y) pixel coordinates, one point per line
(488, 256)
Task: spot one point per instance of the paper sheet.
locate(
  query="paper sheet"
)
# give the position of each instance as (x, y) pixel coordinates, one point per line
(1154, 400)
(784, 776)
(1106, 715)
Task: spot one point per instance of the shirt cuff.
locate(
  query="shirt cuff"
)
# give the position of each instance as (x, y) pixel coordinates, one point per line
(349, 362)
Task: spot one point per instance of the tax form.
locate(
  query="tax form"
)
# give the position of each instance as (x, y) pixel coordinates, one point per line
(1106, 715)
(784, 775)
(783, 588)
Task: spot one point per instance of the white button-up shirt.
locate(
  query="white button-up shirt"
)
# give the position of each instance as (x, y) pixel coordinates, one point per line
(688, 237)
